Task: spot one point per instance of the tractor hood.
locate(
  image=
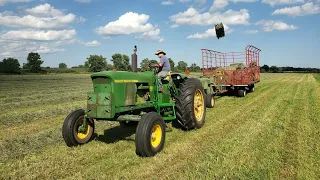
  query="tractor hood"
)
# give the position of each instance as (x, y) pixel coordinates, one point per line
(125, 76)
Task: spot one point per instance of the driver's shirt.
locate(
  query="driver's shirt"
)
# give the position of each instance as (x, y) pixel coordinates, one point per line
(166, 64)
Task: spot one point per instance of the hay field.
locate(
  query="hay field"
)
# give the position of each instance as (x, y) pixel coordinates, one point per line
(271, 133)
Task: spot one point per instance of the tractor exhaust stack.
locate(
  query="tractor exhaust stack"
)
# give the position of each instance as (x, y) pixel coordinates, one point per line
(134, 60)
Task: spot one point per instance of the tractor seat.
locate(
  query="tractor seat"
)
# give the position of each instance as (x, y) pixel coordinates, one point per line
(168, 77)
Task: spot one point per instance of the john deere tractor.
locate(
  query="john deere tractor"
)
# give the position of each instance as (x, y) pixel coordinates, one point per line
(135, 97)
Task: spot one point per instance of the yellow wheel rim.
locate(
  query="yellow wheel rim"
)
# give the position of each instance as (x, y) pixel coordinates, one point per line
(83, 135)
(212, 101)
(156, 135)
(198, 105)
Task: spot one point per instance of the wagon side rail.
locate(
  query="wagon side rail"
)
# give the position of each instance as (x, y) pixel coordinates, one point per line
(252, 55)
(211, 60)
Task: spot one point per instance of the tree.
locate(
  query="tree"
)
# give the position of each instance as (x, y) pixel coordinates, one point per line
(144, 65)
(121, 62)
(274, 69)
(265, 67)
(171, 63)
(154, 61)
(182, 65)
(86, 64)
(62, 65)
(10, 65)
(34, 62)
(194, 67)
(97, 63)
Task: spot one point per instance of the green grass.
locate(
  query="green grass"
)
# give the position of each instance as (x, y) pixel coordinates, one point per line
(273, 133)
(317, 76)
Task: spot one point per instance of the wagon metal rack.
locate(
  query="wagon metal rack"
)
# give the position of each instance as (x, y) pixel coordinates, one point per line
(232, 70)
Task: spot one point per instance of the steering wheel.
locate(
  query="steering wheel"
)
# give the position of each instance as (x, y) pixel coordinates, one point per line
(154, 66)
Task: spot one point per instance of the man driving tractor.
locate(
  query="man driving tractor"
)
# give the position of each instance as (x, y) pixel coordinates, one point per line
(164, 66)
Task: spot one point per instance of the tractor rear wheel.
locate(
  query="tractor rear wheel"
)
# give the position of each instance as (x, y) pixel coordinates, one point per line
(150, 135)
(210, 100)
(71, 132)
(190, 104)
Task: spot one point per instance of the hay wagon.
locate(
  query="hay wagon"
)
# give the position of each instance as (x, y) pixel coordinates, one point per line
(232, 71)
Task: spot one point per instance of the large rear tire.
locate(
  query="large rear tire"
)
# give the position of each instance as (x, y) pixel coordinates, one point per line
(150, 135)
(70, 130)
(190, 104)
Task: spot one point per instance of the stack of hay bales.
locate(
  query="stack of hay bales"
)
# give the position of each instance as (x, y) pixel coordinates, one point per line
(234, 75)
(235, 66)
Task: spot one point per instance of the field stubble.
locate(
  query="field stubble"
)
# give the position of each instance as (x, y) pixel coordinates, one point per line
(271, 133)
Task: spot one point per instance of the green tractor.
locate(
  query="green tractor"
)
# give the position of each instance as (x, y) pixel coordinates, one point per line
(130, 97)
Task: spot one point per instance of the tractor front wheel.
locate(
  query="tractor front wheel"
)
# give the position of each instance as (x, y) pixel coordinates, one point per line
(191, 104)
(210, 100)
(72, 131)
(150, 135)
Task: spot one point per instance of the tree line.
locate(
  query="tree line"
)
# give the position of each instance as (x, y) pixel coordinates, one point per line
(94, 63)
(274, 69)
(121, 62)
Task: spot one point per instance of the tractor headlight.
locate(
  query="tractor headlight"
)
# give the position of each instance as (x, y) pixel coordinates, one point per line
(178, 77)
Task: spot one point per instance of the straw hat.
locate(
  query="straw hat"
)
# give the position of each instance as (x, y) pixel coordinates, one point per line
(160, 51)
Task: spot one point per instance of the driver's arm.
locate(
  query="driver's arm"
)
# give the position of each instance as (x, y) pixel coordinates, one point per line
(161, 62)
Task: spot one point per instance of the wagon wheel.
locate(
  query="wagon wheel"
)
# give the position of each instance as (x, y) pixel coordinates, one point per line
(251, 88)
(242, 93)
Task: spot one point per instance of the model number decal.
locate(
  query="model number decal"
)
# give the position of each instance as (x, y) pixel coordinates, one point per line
(125, 81)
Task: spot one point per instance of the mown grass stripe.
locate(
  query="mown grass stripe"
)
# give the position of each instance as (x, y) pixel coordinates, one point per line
(106, 153)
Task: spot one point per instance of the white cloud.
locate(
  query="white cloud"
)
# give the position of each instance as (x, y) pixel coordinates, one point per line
(183, 1)
(81, 20)
(252, 31)
(38, 30)
(281, 2)
(83, 1)
(20, 49)
(169, 2)
(38, 35)
(305, 9)
(43, 49)
(193, 17)
(270, 25)
(209, 33)
(3, 2)
(44, 10)
(130, 23)
(151, 35)
(220, 4)
(43, 16)
(92, 44)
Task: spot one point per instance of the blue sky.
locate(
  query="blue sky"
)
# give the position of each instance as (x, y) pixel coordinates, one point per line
(287, 31)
